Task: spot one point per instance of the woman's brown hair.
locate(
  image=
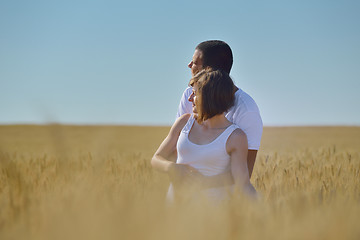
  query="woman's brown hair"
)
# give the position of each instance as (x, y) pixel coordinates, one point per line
(215, 93)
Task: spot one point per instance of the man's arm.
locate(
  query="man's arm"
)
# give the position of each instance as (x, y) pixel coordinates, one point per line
(251, 157)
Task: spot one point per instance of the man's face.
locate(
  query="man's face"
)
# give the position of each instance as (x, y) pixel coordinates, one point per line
(196, 63)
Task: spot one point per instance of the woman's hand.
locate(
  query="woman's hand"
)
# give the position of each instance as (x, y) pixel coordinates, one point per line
(183, 174)
(187, 175)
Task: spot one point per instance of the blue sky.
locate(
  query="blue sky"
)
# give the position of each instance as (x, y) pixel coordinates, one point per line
(114, 62)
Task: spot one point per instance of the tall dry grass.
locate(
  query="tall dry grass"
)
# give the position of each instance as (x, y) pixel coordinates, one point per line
(67, 182)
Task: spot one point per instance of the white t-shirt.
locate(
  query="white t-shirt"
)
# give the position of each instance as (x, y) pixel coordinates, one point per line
(245, 113)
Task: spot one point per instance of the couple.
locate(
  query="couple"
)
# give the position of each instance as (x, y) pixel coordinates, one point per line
(217, 133)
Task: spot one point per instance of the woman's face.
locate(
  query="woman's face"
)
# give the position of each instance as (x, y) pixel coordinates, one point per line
(194, 98)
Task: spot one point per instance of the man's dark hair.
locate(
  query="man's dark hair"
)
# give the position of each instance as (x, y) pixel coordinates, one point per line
(216, 54)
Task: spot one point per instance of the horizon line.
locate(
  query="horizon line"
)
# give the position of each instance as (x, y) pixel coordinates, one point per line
(162, 125)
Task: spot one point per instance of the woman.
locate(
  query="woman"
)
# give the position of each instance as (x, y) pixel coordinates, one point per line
(206, 143)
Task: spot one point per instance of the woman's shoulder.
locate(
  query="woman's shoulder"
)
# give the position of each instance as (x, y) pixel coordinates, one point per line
(238, 134)
(237, 139)
(184, 118)
(181, 122)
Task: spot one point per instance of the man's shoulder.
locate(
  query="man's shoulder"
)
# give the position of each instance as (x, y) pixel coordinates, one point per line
(187, 92)
(244, 102)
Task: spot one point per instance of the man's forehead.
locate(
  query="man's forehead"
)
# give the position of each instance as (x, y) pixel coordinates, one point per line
(197, 54)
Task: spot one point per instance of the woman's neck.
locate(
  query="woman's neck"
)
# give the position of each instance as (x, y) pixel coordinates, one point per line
(216, 122)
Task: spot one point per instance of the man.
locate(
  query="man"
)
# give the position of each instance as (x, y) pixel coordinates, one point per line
(218, 55)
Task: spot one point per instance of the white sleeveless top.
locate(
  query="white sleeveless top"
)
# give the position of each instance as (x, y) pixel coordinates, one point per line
(209, 159)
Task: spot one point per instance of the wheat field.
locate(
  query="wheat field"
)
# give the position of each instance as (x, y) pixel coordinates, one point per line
(96, 182)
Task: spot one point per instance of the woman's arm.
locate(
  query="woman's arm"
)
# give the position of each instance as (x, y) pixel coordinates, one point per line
(237, 147)
(162, 158)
